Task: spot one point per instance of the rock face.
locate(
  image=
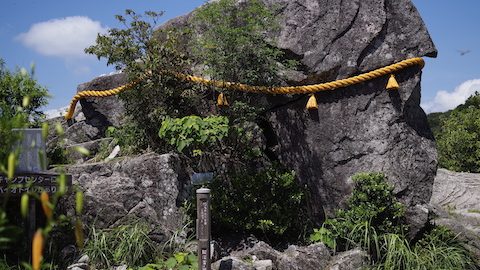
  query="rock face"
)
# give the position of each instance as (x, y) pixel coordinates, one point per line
(315, 256)
(456, 203)
(149, 187)
(358, 128)
(103, 112)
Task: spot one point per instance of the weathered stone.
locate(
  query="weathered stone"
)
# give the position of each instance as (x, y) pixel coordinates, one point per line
(457, 192)
(260, 250)
(315, 256)
(149, 187)
(354, 259)
(92, 146)
(107, 111)
(232, 263)
(121, 267)
(263, 265)
(357, 128)
(84, 259)
(83, 266)
(456, 204)
(81, 132)
(416, 217)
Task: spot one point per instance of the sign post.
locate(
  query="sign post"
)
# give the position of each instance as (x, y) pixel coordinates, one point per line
(203, 228)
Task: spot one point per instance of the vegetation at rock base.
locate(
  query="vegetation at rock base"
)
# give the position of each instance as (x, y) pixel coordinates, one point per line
(458, 136)
(270, 204)
(374, 221)
(372, 210)
(126, 244)
(131, 244)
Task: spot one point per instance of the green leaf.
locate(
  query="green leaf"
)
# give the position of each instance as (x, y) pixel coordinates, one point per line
(180, 257)
(171, 263)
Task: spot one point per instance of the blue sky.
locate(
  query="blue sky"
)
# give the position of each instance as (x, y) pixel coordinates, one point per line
(26, 28)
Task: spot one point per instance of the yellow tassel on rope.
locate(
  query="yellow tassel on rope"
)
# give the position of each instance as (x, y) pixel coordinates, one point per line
(312, 103)
(222, 100)
(392, 83)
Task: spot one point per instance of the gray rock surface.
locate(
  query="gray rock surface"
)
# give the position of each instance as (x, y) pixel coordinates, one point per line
(232, 263)
(363, 127)
(92, 146)
(358, 128)
(106, 111)
(315, 256)
(456, 204)
(354, 259)
(456, 191)
(149, 187)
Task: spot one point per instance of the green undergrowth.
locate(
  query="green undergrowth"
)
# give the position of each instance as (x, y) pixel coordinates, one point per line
(130, 244)
(375, 221)
(269, 204)
(126, 244)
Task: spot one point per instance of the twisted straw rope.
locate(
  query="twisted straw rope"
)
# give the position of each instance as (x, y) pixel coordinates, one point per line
(304, 89)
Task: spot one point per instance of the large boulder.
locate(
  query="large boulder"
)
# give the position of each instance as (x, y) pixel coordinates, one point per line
(357, 128)
(362, 127)
(149, 187)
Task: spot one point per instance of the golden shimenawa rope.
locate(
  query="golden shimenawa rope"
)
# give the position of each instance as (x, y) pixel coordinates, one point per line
(304, 89)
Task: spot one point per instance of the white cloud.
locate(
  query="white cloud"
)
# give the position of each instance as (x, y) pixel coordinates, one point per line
(444, 100)
(66, 37)
(53, 113)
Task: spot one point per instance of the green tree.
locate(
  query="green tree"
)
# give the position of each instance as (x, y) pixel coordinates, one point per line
(231, 41)
(21, 98)
(139, 49)
(15, 86)
(232, 44)
(459, 139)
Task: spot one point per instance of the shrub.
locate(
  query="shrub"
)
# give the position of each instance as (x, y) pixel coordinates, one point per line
(129, 137)
(231, 41)
(18, 85)
(371, 211)
(268, 203)
(373, 220)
